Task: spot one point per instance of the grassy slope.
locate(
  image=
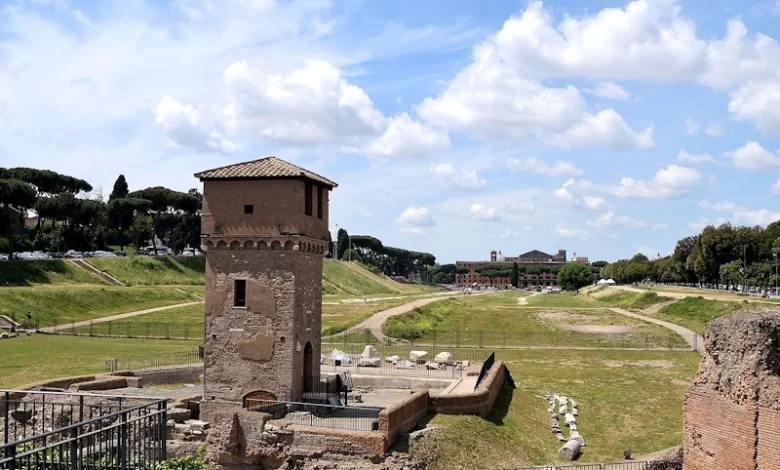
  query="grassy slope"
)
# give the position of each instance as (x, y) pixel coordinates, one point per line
(499, 320)
(26, 273)
(630, 300)
(694, 312)
(628, 400)
(151, 271)
(342, 279)
(62, 304)
(31, 358)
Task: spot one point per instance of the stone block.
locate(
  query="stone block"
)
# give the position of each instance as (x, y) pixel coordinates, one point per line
(392, 359)
(369, 361)
(418, 356)
(179, 415)
(369, 352)
(259, 348)
(444, 358)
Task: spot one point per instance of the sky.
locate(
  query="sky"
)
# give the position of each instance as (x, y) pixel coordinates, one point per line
(603, 127)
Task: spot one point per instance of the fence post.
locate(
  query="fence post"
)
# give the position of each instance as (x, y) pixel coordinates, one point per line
(74, 448)
(12, 454)
(123, 442)
(81, 408)
(6, 404)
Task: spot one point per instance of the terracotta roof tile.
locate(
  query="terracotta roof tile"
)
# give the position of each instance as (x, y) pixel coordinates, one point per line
(268, 167)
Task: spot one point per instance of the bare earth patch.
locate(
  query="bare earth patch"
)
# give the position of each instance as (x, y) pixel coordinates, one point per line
(566, 316)
(657, 363)
(598, 329)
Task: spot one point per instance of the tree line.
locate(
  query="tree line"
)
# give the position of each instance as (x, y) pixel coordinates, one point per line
(73, 216)
(388, 260)
(723, 255)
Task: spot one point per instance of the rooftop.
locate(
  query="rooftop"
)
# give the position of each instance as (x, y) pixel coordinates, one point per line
(264, 168)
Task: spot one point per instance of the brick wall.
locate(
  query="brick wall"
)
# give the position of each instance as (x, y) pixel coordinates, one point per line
(768, 438)
(316, 441)
(478, 403)
(403, 415)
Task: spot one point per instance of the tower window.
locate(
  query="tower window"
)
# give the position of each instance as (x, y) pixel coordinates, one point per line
(320, 204)
(239, 294)
(249, 209)
(308, 198)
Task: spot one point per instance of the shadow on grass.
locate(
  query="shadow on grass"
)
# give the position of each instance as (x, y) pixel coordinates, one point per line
(26, 273)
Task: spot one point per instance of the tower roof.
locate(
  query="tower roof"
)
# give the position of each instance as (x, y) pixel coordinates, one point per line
(264, 168)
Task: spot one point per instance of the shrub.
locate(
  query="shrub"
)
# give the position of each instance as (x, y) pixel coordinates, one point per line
(181, 463)
(4, 245)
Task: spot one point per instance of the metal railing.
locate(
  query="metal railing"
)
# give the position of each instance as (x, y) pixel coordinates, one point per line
(154, 361)
(673, 464)
(132, 329)
(319, 414)
(82, 431)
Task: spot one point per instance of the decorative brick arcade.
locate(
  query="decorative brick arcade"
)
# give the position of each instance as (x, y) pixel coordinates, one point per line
(732, 412)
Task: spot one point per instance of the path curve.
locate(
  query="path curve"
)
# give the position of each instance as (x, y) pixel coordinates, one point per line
(694, 340)
(54, 329)
(375, 322)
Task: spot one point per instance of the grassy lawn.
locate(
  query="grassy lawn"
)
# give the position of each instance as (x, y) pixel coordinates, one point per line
(154, 270)
(352, 279)
(565, 299)
(693, 312)
(182, 322)
(627, 400)
(33, 272)
(337, 318)
(493, 321)
(53, 305)
(721, 294)
(32, 358)
(630, 300)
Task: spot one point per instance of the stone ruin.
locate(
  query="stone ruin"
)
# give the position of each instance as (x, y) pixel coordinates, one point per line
(559, 406)
(732, 411)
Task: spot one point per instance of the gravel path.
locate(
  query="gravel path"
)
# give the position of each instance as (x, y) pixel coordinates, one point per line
(693, 339)
(53, 329)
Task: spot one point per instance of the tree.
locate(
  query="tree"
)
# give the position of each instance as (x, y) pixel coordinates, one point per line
(342, 243)
(163, 201)
(599, 264)
(731, 272)
(18, 194)
(515, 276)
(120, 190)
(574, 276)
(122, 212)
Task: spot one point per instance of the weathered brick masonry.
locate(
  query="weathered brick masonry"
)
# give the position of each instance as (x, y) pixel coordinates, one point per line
(732, 412)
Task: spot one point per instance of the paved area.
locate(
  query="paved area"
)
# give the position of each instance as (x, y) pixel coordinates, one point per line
(693, 339)
(54, 329)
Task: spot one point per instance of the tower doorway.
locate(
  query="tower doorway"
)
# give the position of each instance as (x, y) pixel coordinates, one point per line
(308, 358)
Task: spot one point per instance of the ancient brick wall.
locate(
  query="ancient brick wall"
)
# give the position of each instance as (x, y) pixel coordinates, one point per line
(403, 415)
(478, 403)
(732, 412)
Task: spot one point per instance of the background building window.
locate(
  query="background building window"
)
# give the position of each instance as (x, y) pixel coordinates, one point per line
(239, 294)
(308, 198)
(249, 209)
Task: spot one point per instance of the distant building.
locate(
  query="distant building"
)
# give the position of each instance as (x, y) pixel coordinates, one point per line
(13, 215)
(580, 259)
(537, 269)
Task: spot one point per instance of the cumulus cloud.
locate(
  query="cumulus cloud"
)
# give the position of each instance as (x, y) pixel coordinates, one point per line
(692, 127)
(535, 165)
(753, 156)
(743, 214)
(184, 126)
(758, 103)
(414, 219)
(564, 230)
(609, 90)
(576, 192)
(611, 220)
(448, 175)
(715, 131)
(405, 136)
(484, 212)
(669, 182)
(686, 157)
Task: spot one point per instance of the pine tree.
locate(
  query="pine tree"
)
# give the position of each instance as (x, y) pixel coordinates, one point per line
(515, 276)
(120, 190)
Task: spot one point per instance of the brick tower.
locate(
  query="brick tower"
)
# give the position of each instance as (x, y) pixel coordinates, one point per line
(264, 231)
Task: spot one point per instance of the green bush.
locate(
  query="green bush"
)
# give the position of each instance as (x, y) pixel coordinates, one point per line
(4, 245)
(181, 463)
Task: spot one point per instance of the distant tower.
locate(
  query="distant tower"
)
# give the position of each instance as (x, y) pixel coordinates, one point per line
(493, 256)
(562, 254)
(500, 258)
(264, 230)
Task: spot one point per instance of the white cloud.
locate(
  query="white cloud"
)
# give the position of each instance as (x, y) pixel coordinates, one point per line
(535, 165)
(416, 216)
(567, 231)
(522, 206)
(611, 220)
(610, 91)
(605, 129)
(753, 156)
(672, 181)
(185, 127)
(484, 212)
(743, 214)
(722, 206)
(459, 179)
(405, 136)
(714, 130)
(686, 157)
(692, 127)
(573, 192)
(758, 102)
(307, 105)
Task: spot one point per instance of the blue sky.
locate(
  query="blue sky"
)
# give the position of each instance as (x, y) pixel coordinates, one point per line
(454, 127)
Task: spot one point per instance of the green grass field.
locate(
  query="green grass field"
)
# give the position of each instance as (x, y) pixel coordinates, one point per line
(53, 305)
(32, 358)
(630, 300)
(339, 317)
(493, 321)
(627, 400)
(32, 272)
(693, 312)
(154, 270)
(565, 299)
(341, 279)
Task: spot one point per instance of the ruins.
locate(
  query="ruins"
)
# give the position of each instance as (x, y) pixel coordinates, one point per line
(732, 411)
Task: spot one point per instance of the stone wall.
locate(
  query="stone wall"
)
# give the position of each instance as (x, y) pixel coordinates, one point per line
(403, 416)
(478, 403)
(732, 412)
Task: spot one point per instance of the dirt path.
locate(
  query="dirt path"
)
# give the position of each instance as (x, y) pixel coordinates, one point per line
(54, 329)
(693, 339)
(683, 295)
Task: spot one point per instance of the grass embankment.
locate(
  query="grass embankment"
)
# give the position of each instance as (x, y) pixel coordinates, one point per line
(154, 270)
(499, 320)
(630, 300)
(695, 312)
(627, 400)
(342, 279)
(34, 272)
(29, 359)
(52, 305)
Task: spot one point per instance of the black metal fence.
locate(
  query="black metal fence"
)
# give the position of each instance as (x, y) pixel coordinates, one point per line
(154, 361)
(319, 414)
(483, 371)
(674, 464)
(66, 431)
